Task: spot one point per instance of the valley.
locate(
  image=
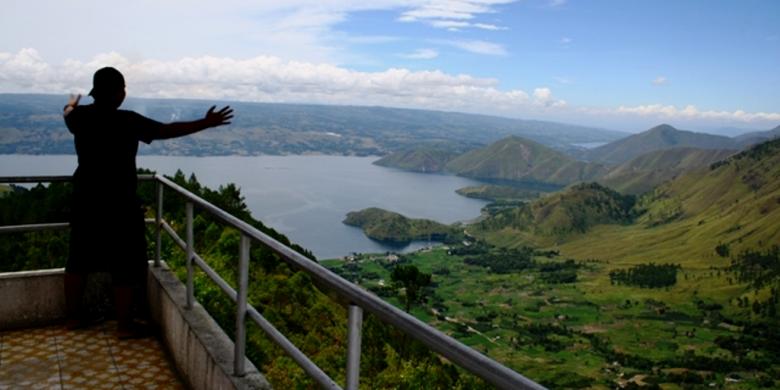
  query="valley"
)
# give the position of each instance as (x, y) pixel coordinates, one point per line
(587, 287)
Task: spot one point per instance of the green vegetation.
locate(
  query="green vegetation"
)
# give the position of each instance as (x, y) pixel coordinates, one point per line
(497, 193)
(414, 283)
(387, 226)
(562, 323)
(516, 159)
(646, 275)
(503, 261)
(39, 204)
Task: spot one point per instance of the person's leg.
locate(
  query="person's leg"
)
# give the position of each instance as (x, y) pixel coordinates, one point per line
(129, 279)
(74, 293)
(123, 303)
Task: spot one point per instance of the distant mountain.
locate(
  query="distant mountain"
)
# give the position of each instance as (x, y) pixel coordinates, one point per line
(658, 138)
(727, 131)
(756, 137)
(515, 159)
(645, 172)
(423, 159)
(33, 124)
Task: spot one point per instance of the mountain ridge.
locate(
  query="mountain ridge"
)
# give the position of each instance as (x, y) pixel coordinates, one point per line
(32, 124)
(649, 170)
(660, 137)
(536, 163)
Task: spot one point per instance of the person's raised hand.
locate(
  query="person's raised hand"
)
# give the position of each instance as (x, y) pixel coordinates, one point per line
(72, 103)
(218, 118)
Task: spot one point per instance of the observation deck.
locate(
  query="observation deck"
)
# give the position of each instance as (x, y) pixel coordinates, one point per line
(192, 350)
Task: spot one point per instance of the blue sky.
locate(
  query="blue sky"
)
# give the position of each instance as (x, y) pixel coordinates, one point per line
(625, 65)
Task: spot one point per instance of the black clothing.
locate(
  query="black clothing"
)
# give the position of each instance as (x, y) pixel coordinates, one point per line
(107, 230)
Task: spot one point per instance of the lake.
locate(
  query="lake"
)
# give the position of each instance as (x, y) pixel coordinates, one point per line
(304, 197)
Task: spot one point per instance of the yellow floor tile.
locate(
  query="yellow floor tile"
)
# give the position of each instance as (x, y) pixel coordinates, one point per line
(91, 358)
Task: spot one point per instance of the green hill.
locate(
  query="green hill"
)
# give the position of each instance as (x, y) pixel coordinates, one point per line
(387, 226)
(558, 216)
(647, 171)
(424, 159)
(520, 160)
(658, 138)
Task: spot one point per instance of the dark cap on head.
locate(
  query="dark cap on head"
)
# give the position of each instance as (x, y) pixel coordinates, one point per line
(105, 80)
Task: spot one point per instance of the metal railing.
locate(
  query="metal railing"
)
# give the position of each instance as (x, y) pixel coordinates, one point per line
(360, 300)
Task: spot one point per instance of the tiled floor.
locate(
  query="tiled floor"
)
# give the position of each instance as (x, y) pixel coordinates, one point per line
(93, 358)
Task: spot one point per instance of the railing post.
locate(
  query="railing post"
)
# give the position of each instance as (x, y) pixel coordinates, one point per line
(158, 223)
(355, 324)
(243, 282)
(190, 255)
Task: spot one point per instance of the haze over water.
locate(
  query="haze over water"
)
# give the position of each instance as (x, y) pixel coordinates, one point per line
(304, 197)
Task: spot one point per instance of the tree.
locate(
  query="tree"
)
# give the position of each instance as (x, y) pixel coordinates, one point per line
(413, 281)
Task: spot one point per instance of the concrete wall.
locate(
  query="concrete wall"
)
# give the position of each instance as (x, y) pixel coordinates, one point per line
(202, 352)
(31, 298)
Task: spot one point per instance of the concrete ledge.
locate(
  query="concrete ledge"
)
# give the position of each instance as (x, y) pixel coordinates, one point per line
(31, 298)
(202, 352)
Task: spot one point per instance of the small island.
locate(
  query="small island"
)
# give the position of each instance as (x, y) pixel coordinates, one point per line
(496, 193)
(394, 228)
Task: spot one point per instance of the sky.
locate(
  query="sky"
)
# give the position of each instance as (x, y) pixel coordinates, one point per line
(623, 65)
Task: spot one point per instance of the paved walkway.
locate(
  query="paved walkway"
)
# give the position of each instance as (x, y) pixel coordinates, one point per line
(92, 358)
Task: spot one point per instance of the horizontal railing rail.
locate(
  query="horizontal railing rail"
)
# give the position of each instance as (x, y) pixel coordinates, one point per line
(358, 298)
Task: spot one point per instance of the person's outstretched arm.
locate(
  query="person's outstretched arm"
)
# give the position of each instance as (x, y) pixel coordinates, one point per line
(212, 119)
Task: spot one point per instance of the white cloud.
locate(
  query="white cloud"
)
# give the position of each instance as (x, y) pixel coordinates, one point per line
(271, 79)
(543, 97)
(690, 112)
(565, 40)
(422, 54)
(491, 27)
(562, 80)
(455, 25)
(453, 14)
(557, 3)
(474, 46)
(660, 80)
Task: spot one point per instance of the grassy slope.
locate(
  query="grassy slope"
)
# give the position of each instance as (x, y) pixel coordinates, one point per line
(649, 170)
(518, 159)
(737, 203)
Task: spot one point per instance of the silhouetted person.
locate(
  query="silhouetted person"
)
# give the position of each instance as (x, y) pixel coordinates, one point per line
(107, 223)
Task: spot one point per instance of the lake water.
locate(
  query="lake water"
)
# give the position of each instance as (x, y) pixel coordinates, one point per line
(304, 197)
